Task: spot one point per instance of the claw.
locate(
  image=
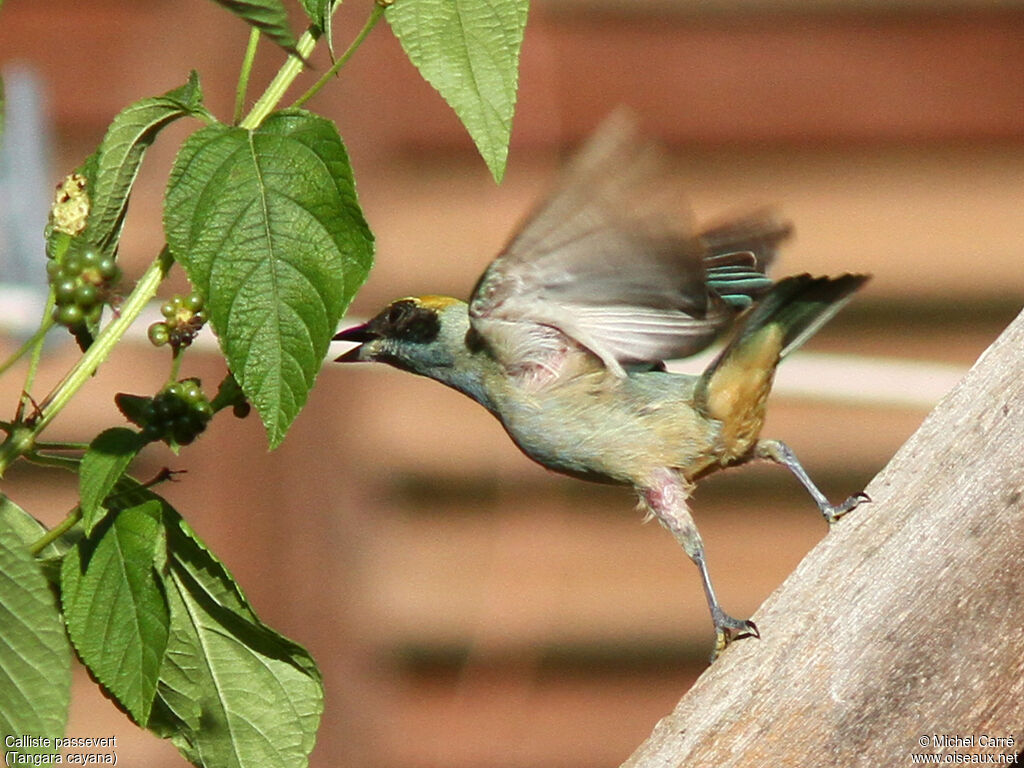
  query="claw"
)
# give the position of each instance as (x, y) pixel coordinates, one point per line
(832, 512)
(728, 629)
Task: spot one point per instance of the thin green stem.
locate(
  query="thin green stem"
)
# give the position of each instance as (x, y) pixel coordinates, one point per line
(371, 22)
(282, 80)
(37, 349)
(243, 75)
(57, 531)
(61, 446)
(45, 326)
(144, 291)
(175, 364)
(70, 463)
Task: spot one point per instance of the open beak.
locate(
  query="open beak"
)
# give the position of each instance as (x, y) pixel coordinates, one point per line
(359, 334)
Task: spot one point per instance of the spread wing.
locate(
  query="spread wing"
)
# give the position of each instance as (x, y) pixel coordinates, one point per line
(602, 264)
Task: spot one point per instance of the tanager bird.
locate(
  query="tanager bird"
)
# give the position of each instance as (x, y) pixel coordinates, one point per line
(565, 335)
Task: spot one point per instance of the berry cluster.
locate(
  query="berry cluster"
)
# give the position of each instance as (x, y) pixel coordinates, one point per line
(82, 282)
(183, 317)
(177, 414)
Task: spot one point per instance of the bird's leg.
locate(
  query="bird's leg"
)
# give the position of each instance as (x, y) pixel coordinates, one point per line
(665, 499)
(780, 453)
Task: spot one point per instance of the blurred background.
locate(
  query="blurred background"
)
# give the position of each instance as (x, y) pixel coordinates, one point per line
(469, 609)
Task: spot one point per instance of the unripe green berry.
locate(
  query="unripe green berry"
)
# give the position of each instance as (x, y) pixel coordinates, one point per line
(192, 393)
(108, 269)
(168, 310)
(64, 291)
(69, 315)
(86, 295)
(73, 263)
(194, 302)
(158, 334)
(90, 256)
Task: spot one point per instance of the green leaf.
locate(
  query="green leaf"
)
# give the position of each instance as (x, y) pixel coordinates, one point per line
(320, 13)
(35, 658)
(269, 230)
(469, 51)
(120, 154)
(268, 16)
(233, 693)
(115, 608)
(108, 457)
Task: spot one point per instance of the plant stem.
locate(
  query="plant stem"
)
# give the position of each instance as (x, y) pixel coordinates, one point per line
(371, 22)
(243, 75)
(37, 349)
(45, 326)
(57, 531)
(282, 80)
(144, 291)
(70, 463)
(175, 364)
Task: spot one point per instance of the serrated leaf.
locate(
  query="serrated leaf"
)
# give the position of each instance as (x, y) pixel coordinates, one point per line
(108, 457)
(469, 51)
(115, 608)
(233, 693)
(35, 658)
(119, 156)
(268, 16)
(269, 230)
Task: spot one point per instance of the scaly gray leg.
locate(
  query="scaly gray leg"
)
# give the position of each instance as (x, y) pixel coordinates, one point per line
(780, 453)
(665, 498)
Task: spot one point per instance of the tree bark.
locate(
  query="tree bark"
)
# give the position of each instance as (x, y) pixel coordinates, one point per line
(902, 632)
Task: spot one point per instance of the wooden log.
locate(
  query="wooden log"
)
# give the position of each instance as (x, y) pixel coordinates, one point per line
(902, 631)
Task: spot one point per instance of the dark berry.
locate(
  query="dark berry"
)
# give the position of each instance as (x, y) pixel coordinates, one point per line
(108, 269)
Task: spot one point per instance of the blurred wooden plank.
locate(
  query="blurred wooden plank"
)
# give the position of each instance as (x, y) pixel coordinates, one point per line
(740, 78)
(929, 223)
(733, 7)
(537, 578)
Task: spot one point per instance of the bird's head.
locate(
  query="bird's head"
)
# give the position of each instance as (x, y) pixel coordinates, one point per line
(427, 335)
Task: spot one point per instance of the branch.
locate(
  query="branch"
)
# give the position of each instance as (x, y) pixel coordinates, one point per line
(903, 623)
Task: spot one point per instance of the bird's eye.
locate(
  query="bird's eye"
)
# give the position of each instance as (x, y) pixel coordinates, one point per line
(408, 320)
(398, 311)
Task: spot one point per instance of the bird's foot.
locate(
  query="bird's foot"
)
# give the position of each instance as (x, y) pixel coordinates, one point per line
(728, 629)
(832, 512)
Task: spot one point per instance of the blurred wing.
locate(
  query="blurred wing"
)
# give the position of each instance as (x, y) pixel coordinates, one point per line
(603, 263)
(739, 252)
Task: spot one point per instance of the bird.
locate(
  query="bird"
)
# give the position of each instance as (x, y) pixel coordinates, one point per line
(564, 338)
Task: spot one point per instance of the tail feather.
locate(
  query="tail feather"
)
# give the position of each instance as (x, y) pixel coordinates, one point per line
(734, 388)
(799, 306)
